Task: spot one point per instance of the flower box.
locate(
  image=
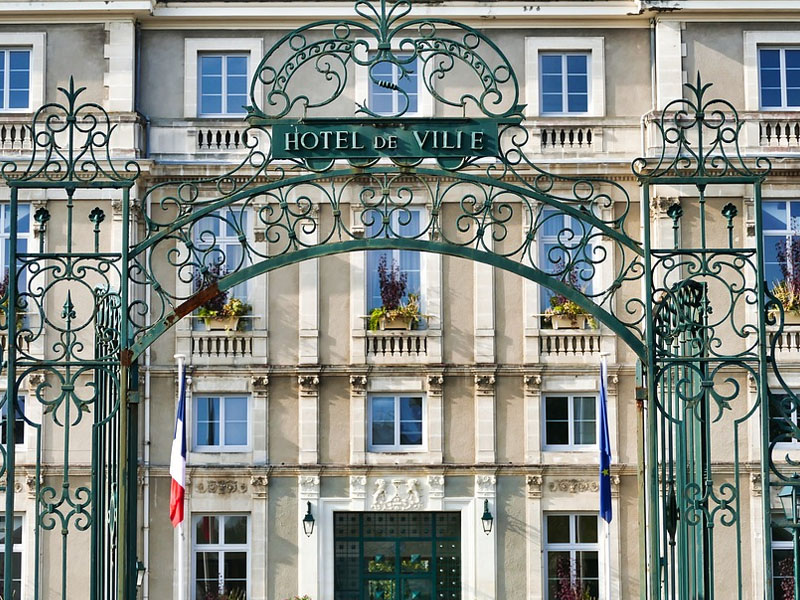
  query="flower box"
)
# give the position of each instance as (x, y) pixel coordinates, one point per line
(398, 322)
(568, 321)
(221, 323)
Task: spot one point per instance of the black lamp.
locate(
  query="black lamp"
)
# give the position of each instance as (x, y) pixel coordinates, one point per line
(308, 522)
(790, 501)
(487, 520)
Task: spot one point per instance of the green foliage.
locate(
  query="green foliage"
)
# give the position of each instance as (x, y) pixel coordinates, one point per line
(788, 296)
(409, 310)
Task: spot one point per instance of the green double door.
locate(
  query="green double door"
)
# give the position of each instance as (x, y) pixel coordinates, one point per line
(397, 555)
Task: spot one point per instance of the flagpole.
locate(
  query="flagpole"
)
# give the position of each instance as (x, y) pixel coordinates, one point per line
(181, 358)
(605, 475)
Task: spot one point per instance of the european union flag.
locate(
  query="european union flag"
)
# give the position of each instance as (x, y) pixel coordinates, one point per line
(605, 448)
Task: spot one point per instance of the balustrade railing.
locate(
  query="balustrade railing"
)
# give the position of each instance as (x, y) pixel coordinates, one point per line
(15, 137)
(779, 132)
(221, 139)
(571, 342)
(396, 344)
(573, 137)
(222, 344)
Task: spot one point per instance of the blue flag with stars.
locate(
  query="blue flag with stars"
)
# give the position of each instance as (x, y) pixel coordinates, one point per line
(605, 448)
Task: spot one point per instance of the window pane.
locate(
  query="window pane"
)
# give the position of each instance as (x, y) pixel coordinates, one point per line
(577, 103)
(236, 530)
(18, 99)
(585, 408)
(207, 574)
(770, 78)
(235, 433)
(211, 65)
(557, 529)
(551, 84)
(551, 64)
(20, 60)
(410, 409)
(207, 530)
(237, 65)
(551, 103)
(770, 58)
(770, 98)
(208, 421)
(235, 566)
(2, 79)
(383, 409)
(577, 64)
(587, 529)
(211, 104)
(411, 434)
(774, 215)
(383, 434)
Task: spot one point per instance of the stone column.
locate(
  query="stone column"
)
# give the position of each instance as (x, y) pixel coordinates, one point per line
(533, 422)
(484, 417)
(259, 386)
(308, 546)
(308, 404)
(435, 417)
(534, 537)
(485, 545)
(358, 419)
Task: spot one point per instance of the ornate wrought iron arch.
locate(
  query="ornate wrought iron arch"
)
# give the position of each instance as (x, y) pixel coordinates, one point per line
(300, 205)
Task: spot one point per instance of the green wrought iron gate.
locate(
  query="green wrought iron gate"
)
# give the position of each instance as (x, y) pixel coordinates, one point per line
(695, 309)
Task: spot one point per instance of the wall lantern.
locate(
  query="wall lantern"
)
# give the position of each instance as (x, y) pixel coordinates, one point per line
(308, 522)
(790, 502)
(140, 570)
(487, 520)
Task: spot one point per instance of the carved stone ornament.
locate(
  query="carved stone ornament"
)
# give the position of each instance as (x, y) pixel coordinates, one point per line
(221, 486)
(259, 383)
(485, 383)
(485, 485)
(358, 487)
(534, 485)
(436, 486)
(397, 494)
(660, 204)
(309, 384)
(574, 486)
(435, 383)
(309, 486)
(533, 383)
(17, 484)
(358, 383)
(755, 484)
(35, 380)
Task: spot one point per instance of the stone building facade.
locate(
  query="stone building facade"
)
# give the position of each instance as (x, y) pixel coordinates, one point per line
(386, 432)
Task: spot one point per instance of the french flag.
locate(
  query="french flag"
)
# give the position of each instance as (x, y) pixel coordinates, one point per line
(177, 461)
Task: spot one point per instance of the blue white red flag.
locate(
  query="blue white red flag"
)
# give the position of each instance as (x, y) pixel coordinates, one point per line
(605, 447)
(177, 460)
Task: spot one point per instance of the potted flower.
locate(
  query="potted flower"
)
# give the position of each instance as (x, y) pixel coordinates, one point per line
(223, 311)
(570, 587)
(565, 313)
(787, 291)
(394, 314)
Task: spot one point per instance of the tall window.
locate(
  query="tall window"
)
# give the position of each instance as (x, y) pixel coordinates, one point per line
(19, 422)
(560, 238)
(405, 224)
(23, 231)
(16, 560)
(781, 430)
(221, 423)
(223, 84)
(570, 421)
(564, 83)
(396, 422)
(220, 548)
(781, 222)
(218, 237)
(384, 97)
(15, 78)
(571, 556)
(782, 564)
(779, 77)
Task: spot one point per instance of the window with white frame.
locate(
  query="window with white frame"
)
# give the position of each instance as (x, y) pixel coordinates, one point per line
(570, 421)
(564, 83)
(220, 556)
(23, 235)
(561, 242)
(15, 78)
(19, 421)
(386, 83)
(571, 556)
(222, 81)
(781, 225)
(396, 422)
(222, 423)
(404, 224)
(782, 563)
(565, 76)
(16, 559)
(218, 237)
(779, 78)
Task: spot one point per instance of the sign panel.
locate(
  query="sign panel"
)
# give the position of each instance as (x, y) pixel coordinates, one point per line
(423, 138)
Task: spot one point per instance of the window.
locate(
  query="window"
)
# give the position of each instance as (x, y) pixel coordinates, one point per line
(15, 78)
(218, 238)
(406, 224)
(565, 76)
(564, 83)
(220, 545)
(570, 421)
(782, 564)
(396, 422)
(393, 555)
(560, 243)
(571, 556)
(19, 422)
(779, 428)
(23, 231)
(384, 95)
(16, 565)
(781, 224)
(223, 84)
(221, 423)
(779, 78)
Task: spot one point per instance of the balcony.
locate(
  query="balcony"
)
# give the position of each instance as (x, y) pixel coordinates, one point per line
(787, 343)
(212, 139)
(569, 343)
(223, 348)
